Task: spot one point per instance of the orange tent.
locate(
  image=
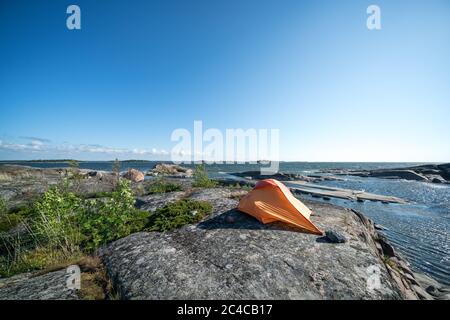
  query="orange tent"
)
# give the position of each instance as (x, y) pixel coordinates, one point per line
(270, 201)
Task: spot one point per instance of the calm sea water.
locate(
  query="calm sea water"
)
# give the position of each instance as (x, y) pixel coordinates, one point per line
(420, 230)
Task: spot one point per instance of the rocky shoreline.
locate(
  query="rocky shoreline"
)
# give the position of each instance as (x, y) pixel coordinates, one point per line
(227, 255)
(434, 173)
(306, 185)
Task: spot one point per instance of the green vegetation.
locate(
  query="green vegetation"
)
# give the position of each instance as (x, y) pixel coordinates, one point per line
(11, 218)
(74, 164)
(74, 174)
(104, 221)
(201, 178)
(95, 282)
(116, 167)
(237, 185)
(160, 185)
(3, 206)
(100, 194)
(176, 214)
(9, 221)
(36, 259)
(116, 170)
(62, 227)
(50, 235)
(54, 224)
(139, 190)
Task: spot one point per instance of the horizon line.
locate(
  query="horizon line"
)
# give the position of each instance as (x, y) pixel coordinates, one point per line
(223, 162)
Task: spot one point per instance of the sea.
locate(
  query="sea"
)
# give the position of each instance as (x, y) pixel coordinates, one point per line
(418, 230)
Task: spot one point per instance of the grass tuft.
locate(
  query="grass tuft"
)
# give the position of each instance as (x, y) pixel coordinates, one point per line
(40, 258)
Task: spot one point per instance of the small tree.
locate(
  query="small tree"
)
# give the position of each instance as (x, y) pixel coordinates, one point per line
(76, 176)
(201, 178)
(116, 170)
(112, 218)
(73, 164)
(53, 224)
(116, 166)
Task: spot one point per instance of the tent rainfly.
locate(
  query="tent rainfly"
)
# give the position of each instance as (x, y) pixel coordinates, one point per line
(270, 201)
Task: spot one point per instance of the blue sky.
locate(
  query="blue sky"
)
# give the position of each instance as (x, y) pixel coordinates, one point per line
(138, 70)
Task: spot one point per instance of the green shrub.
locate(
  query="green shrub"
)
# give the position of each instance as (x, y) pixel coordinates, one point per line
(116, 170)
(74, 172)
(162, 186)
(176, 214)
(116, 167)
(74, 164)
(100, 194)
(61, 226)
(24, 211)
(13, 217)
(9, 221)
(55, 222)
(201, 178)
(237, 185)
(112, 219)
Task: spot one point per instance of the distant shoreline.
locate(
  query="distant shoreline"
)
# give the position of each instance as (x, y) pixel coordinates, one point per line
(168, 161)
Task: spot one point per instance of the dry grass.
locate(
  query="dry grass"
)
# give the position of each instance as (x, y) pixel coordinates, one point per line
(5, 177)
(391, 263)
(95, 283)
(59, 262)
(238, 195)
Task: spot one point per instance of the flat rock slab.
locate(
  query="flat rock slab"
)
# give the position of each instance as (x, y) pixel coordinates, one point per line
(49, 286)
(233, 256)
(348, 194)
(435, 173)
(21, 185)
(154, 201)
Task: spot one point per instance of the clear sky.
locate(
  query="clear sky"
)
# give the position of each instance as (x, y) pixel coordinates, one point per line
(137, 70)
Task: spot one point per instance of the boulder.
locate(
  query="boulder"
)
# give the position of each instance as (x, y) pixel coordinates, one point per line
(94, 174)
(439, 173)
(387, 248)
(134, 175)
(152, 202)
(281, 176)
(380, 227)
(171, 170)
(231, 255)
(437, 179)
(423, 294)
(28, 286)
(335, 237)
